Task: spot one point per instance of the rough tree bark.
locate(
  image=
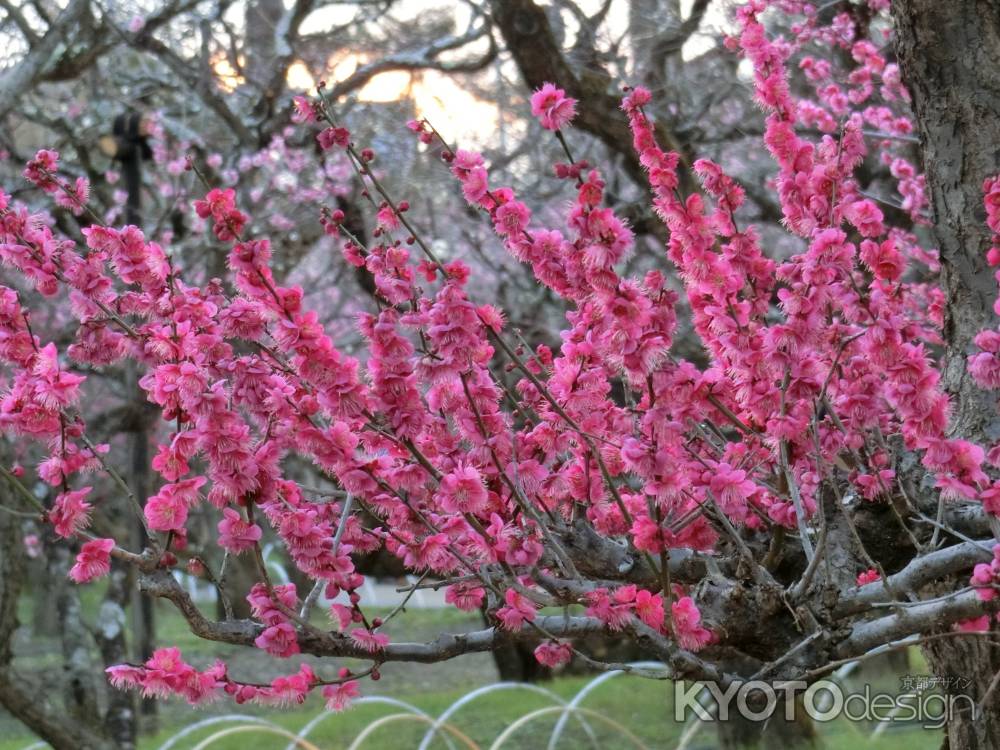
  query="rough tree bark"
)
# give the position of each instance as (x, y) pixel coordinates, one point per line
(738, 733)
(262, 36)
(949, 53)
(79, 682)
(109, 631)
(140, 480)
(131, 150)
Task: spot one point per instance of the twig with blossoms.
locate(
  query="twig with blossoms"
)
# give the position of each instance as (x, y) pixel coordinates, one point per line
(126, 490)
(363, 166)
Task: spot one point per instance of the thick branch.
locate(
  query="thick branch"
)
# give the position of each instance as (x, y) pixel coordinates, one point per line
(445, 646)
(602, 558)
(918, 573)
(15, 14)
(425, 58)
(912, 620)
(34, 64)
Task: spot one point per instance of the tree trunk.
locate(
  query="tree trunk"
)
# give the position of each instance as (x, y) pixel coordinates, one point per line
(737, 733)
(120, 718)
(969, 666)
(262, 19)
(19, 78)
(141, 482)
(515, 661)
(240, 576)
(43, 624)
(25, 700)
(948, 53)
(79, 683)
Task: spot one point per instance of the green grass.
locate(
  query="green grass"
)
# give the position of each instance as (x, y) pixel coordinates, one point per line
(643, 706)
(482, 720)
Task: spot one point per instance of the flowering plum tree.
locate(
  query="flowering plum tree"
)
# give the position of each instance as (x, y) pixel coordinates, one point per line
(790, 506)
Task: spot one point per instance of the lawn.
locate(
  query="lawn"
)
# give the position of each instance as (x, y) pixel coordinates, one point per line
(643, 707)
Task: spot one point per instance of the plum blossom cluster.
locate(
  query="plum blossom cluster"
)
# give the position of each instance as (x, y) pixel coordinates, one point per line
(166, 674)
(985, 575)
(552, 107)
(984, 581)
(480, 461)
(42, 172)
(985, 366)
(93, 561)
(615, 610)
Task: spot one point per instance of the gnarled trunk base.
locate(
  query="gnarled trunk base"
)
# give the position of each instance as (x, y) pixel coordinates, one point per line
(968, 666)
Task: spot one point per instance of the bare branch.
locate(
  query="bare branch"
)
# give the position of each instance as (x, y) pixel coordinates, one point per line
(424, 58)
(34, 64)
(15, 14)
